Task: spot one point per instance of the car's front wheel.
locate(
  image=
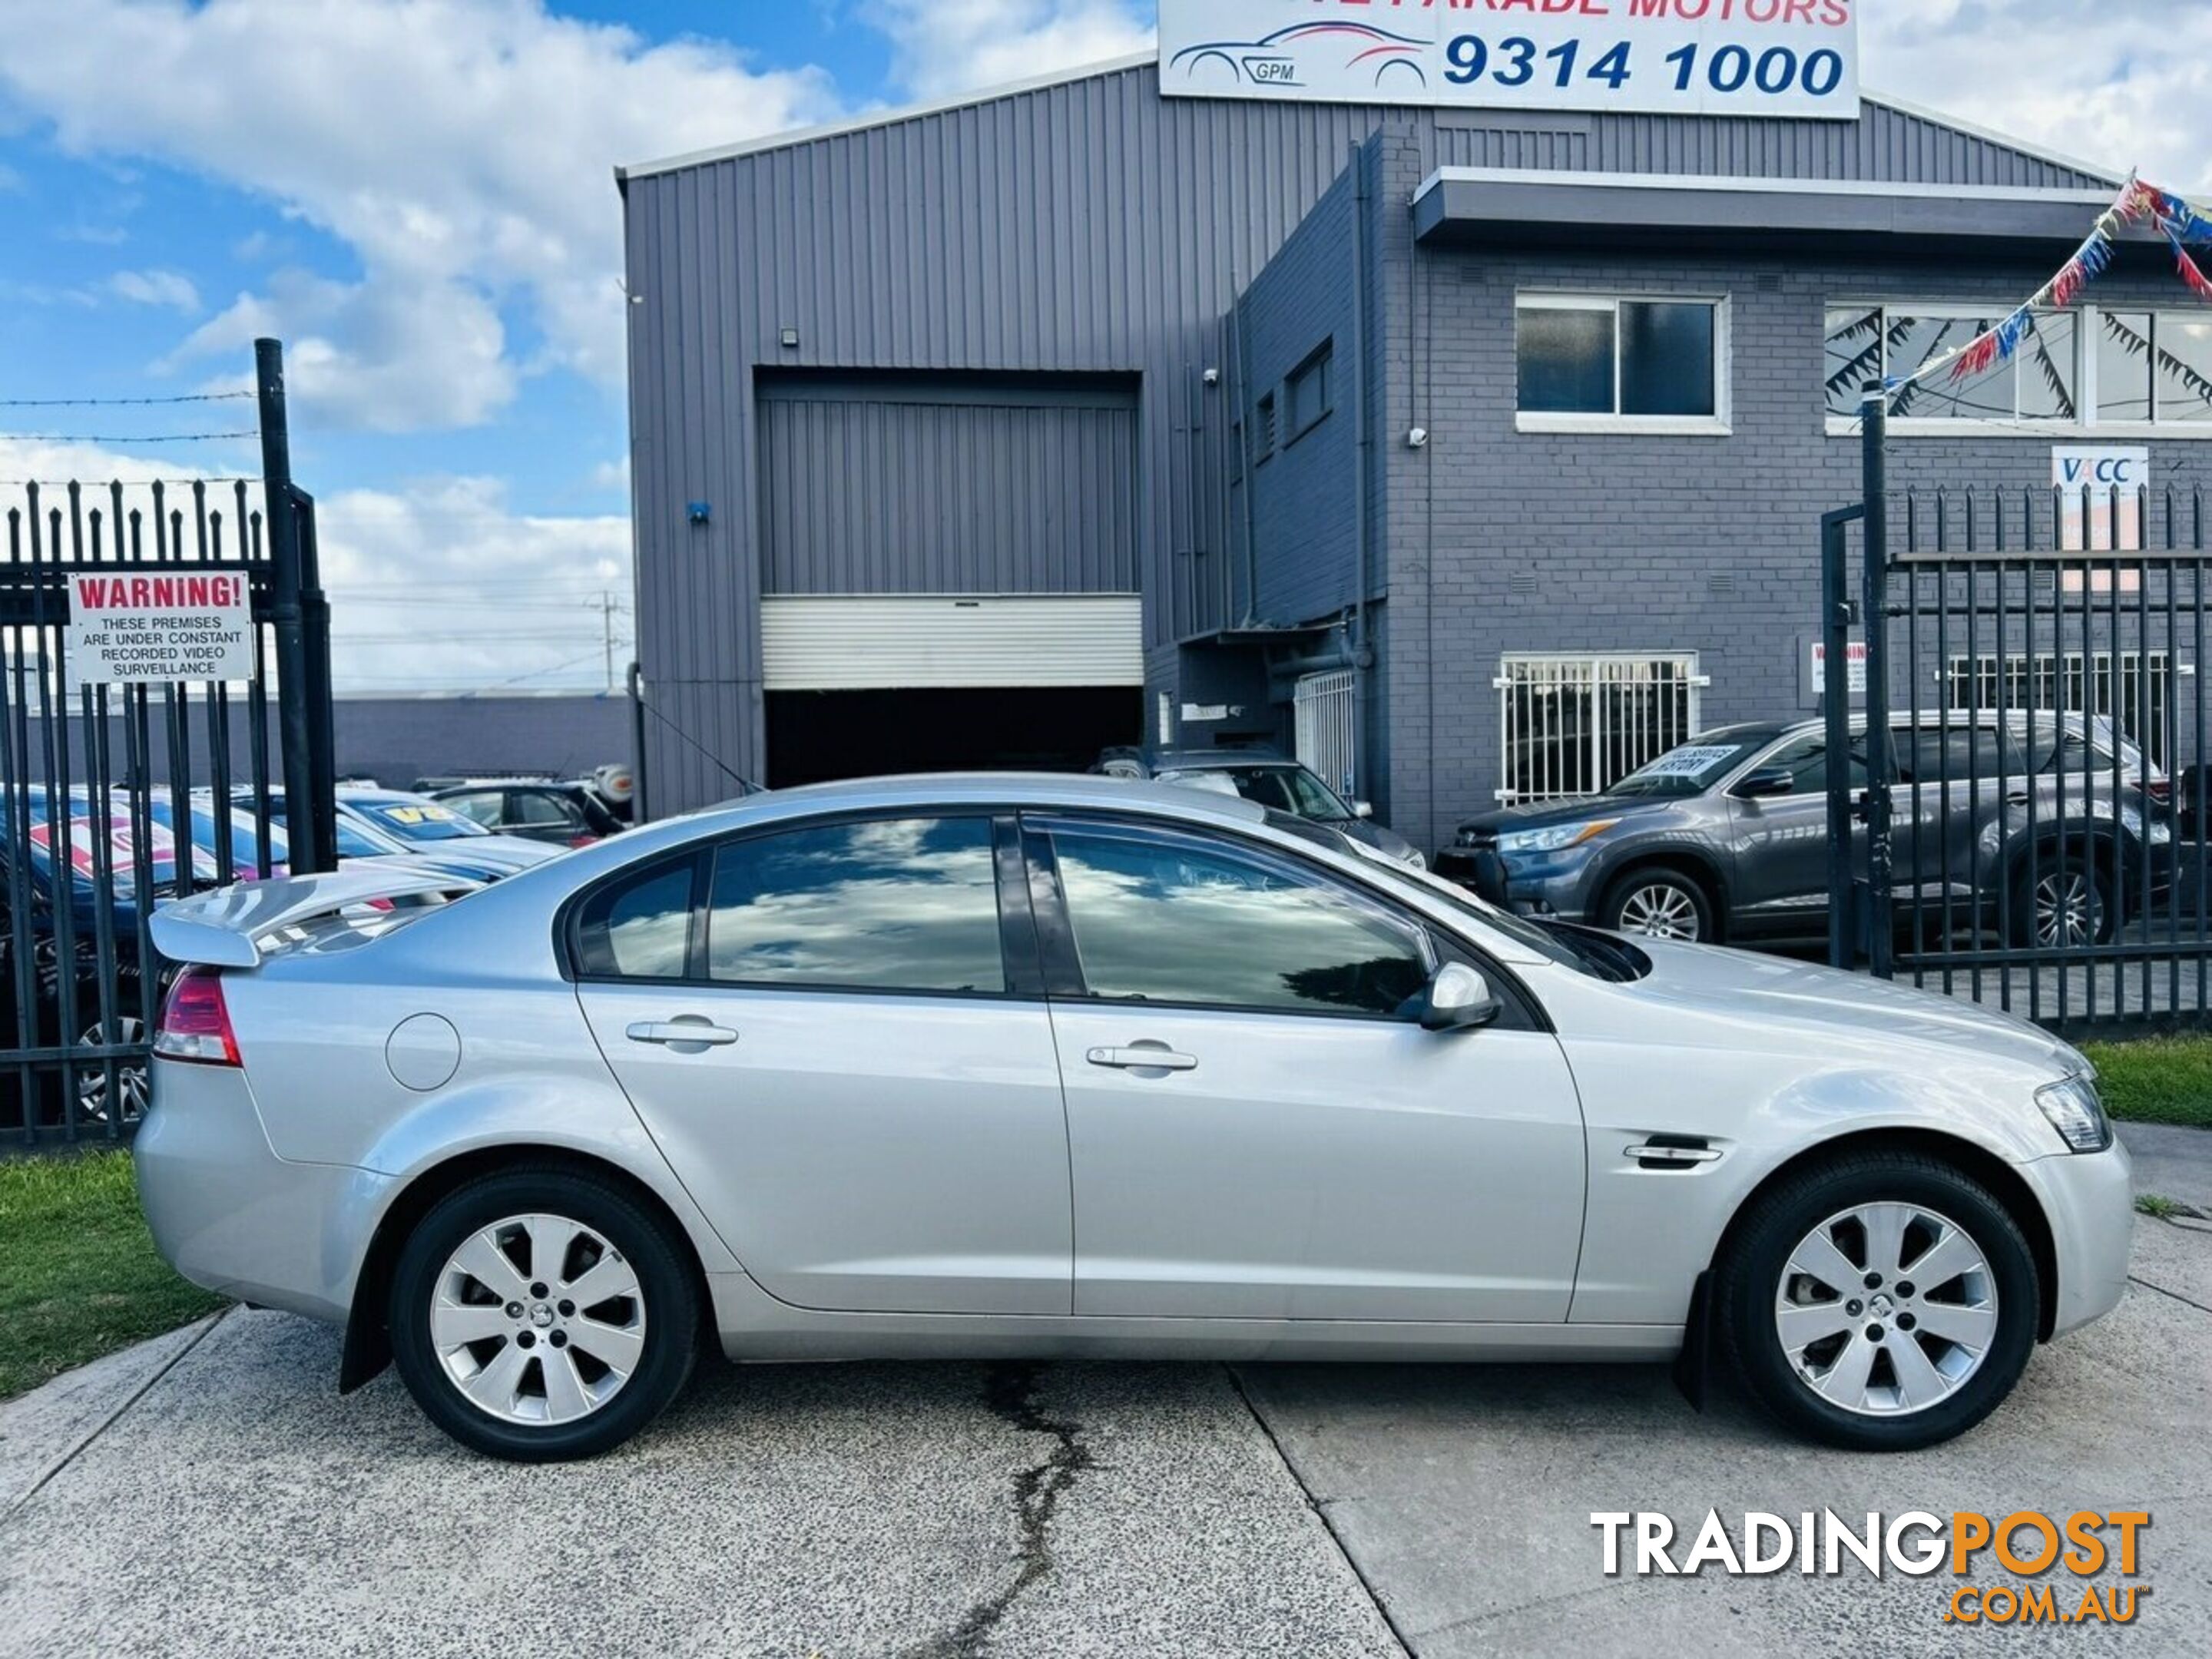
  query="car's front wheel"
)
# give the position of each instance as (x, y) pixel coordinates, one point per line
(1882, 1302)
(540, 1315)
(1658, 904)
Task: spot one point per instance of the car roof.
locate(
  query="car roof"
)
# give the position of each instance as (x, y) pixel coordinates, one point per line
(1036, 790)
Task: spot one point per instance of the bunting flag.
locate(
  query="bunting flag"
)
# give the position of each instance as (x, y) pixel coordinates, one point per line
(2180, 222)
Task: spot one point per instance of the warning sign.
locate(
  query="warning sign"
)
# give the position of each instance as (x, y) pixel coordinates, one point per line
(140, 628)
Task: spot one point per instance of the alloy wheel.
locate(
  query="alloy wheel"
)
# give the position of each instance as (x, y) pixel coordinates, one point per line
(93, 1097)
(2067, 909)
(1886, 1309)
(538, 1320)
(1661, 910)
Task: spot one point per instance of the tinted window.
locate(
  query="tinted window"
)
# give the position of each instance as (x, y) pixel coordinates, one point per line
(1172, 919)
(539, 810)
(640, 928)
(1935, 755)
(1566, 360)
(1807, 762)
(908, 904)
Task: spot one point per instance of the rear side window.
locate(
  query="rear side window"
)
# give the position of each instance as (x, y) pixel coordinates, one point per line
(905, 904)
(539, 810)
(1956, 754)
(638, 928)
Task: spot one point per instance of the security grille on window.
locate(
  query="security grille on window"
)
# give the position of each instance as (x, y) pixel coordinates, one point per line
(1577, 725)
(1583, 356)
(2084, 368)
(2138, 700)
(1326, 710)
(1263, 422)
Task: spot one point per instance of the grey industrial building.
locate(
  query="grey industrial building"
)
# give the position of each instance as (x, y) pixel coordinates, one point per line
(1478, 454)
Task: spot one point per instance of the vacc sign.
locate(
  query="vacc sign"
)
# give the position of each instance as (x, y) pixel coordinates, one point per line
(1772, 57)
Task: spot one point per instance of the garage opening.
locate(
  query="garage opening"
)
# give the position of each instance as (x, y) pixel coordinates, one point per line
(819, 736)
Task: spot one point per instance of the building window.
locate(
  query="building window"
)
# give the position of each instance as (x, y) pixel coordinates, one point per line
(2085, 369)
(1577, 724)
(1310, 391)
(1263, 423)
(1634, 363)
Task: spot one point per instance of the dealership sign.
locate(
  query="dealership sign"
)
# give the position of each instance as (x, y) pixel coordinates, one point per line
(2101, 494)
(152, 631)
(1769, 58)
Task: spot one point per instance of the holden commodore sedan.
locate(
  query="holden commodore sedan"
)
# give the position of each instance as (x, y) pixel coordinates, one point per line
(997, 1066)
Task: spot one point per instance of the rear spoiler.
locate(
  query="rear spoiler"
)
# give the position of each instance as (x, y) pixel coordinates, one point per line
(223, 929)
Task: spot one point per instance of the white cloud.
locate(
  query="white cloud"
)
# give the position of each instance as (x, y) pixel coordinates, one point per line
(172, 288)
(2123, 83)
(463, 149)
(942, 47)
(438, 586)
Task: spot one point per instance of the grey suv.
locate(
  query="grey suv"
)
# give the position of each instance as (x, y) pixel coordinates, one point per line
(2040, 822)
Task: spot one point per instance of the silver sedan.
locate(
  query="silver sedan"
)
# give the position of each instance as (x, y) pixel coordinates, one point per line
(1000, 1066)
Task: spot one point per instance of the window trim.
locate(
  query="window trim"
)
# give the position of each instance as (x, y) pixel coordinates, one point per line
(1321, 361)
(1019, 957)
(1064, 977)
(1721, 423)
(2088, 320)
(1264, 417)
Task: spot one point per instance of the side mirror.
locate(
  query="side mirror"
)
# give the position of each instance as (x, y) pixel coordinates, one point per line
(1361, 809)
(1768, 781)
(1458, 999)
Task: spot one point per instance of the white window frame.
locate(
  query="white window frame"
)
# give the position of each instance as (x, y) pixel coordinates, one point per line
(1561, 666)
(2088, 328)
(1721, 423)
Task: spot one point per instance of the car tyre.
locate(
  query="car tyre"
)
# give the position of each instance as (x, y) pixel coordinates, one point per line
(1770, 1280)
(1659, 904)
(490, 1336)
(2065, 902)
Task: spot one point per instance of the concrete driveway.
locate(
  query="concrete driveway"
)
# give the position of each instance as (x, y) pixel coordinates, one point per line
(209, 1494)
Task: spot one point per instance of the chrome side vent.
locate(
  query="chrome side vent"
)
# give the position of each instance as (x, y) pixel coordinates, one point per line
(1680, 1152)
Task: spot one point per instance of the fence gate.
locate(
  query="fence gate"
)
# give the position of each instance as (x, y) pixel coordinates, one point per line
(119, 796)
(1326, 710)
(2021, 819)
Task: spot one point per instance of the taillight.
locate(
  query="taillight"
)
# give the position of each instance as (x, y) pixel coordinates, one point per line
(196, 1022)
(2161, 790)
(583, 840)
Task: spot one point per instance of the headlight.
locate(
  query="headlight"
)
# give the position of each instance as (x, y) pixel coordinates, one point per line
(2075, 1112)
(1554, 840)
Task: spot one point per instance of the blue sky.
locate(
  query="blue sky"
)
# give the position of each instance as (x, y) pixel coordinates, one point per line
(417, 195)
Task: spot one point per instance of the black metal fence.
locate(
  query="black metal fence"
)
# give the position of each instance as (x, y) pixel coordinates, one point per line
(2022, 818)
(116, 798)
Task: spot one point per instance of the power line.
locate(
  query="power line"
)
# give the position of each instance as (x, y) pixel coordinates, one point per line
(121, 403)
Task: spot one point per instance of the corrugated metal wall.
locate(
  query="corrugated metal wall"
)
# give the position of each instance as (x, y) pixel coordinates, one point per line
(1086, 227)
(943, 485)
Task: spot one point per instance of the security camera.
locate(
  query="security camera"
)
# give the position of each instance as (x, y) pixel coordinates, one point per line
(1418, 438)
(1211, 377)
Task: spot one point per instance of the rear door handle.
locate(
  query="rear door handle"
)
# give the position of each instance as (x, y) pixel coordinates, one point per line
(682, 1033)
(1139, 1058)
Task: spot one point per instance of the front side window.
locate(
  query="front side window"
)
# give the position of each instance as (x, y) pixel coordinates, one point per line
(1805, 760)
(536, 810)
(1176, 920)
(482, 809)
(1629, 358)
(907, 904)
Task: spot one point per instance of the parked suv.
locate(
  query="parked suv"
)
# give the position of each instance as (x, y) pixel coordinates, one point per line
(1266, 779)
(2042, 817)
(567, 814)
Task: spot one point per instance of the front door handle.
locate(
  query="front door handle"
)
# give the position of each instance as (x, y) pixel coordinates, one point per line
(687, 1032)
(1143, 1057)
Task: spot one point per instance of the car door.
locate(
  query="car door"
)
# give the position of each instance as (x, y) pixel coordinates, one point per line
(1258, 1129)
(843, 1050)
(1782, 840)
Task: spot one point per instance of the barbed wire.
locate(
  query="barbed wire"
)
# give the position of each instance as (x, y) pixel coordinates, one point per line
(122, 402)
(114, 438)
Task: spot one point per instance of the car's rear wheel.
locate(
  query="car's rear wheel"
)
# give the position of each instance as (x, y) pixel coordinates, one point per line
(1659, 904)
(540, 1316)
(1882, 1302)
(2064, 903)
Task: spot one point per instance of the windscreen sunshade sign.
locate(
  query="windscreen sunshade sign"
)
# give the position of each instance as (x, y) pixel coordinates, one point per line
(1739, 57)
